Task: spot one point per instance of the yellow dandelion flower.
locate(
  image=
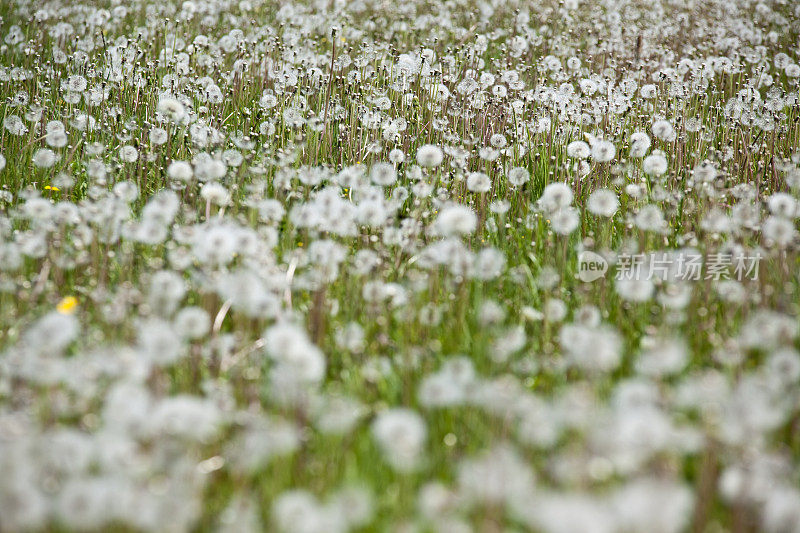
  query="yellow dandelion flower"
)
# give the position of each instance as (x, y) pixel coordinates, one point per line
(67, 305)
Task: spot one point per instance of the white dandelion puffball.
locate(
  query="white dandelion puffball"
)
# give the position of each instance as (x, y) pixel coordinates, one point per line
(429, 156)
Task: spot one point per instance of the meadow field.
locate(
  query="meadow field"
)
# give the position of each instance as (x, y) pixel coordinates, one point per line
(400, 266)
